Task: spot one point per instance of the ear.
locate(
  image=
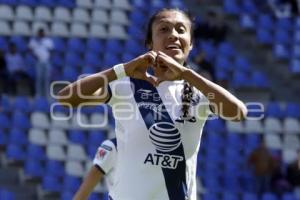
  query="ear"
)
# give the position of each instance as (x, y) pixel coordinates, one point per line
(191, 46)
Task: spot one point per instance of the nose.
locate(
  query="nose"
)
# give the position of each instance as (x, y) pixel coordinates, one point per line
(173, 34)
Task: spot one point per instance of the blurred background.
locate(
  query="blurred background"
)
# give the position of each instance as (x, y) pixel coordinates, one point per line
(250, 47)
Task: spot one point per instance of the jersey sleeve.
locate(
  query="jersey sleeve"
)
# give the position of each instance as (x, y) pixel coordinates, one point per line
(119, 90)
(105, 157)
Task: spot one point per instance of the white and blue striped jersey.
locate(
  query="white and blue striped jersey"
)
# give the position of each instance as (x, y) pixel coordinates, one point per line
(157, 150)
(105, 160)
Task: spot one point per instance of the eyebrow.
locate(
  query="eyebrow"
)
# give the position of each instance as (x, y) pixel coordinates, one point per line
(169, 22)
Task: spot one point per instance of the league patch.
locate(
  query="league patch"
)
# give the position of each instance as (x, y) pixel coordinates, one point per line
(101, 153)
(108, 148)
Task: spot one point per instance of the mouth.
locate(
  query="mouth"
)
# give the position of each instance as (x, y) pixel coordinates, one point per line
(173, 47)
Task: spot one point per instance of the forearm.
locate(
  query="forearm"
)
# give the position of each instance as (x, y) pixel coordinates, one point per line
(88, 185)
(83, 89)
(223, 102)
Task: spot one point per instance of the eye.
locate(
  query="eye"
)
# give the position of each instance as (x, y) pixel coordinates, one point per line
(163, 29)
(181, 30)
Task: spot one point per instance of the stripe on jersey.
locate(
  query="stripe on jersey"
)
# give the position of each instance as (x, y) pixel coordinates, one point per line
(164, 136)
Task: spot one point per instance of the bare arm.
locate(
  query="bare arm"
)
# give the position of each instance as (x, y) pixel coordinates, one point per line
(93, 177)
(223, 102)
(93, 88)
(88, 89)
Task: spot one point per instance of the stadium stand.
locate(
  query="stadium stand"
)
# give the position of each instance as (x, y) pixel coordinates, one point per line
(58, 153)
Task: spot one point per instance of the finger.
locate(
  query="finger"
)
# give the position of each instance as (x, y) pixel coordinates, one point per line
(151, 79)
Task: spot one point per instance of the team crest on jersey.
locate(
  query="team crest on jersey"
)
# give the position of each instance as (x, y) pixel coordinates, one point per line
(101, 153)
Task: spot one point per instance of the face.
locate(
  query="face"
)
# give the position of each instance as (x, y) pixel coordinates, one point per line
(171, 34)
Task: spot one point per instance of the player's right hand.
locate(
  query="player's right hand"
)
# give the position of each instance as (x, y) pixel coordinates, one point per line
(137, 68)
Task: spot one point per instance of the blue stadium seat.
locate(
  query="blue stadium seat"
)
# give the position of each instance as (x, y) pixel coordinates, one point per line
(55, 168)
(5, 104)
(289, 196)
(66, 3)
(259, 80)
(51, 184)
(3, 43)
(29, 2)
(92, 150)
(138, 3)
(273, 110)
(73, 59)
(67, 195)
(215, 125)
(41, 104)
(226, 49)
(9, 2)
(95, 196)
(249, 196)
(242, 64)
(5, 121)
(247, 22)
(132, 46)
(20, 42)
(34, 168)
(281, 51)
(30, 62)
(76, 45)
(251, 142)
(77, 136)
(248, 6)
(212, 184)
(292, 110)
(235, 141)
(177, 4)
(6, 195)
(17, 136)
(36, 152)
(92, 59)
(210, 196)
(231, 7)
(282, 37)
(264, 36)
(157, 4)
(138, 18)
(70, 74)
(127, 56)
(96, 137)
(22, 104)
(296, 51)
(284, 23)
(240, 79)
(269, 196)
(15, 152)
(230, 196)
(57, 59)
(209, 49)
(71, 183)
(265, 21)
(48, 3)
(114, 46)
(295, 65)
(95, 45)
(59, 44)
(223, 63)
(88, 70)
(3, 137)
(20, 120)
(110, 60)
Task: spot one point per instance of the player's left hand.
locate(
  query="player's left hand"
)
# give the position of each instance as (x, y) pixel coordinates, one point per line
(169, 68)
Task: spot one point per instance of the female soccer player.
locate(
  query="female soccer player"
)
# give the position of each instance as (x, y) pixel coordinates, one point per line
(103, 165)
(159, 117)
